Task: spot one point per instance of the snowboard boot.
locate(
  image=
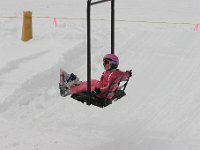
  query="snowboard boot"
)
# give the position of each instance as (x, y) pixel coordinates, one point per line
(66, 81)
(72, 80)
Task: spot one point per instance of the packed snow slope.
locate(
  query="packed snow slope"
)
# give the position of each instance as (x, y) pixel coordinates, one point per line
(154, 38)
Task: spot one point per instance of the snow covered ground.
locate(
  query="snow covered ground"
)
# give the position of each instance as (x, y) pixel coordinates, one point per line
(155, 38)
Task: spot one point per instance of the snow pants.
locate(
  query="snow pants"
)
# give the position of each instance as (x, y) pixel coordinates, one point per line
(82, 87)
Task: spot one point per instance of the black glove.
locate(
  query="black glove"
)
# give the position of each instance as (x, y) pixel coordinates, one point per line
(96, 91)
(129, 72)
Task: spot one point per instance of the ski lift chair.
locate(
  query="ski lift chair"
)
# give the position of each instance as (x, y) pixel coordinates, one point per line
(100, 102)
(88, 97)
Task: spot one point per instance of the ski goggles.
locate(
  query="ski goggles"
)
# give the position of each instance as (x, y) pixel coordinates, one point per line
(106, 61)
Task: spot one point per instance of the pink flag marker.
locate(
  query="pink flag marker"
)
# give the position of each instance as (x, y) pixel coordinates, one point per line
(54, 21)
(196, 27)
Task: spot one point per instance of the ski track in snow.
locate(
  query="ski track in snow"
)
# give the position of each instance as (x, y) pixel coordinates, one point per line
(16, 63)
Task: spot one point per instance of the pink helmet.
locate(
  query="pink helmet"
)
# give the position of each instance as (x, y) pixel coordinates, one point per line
(113, 58)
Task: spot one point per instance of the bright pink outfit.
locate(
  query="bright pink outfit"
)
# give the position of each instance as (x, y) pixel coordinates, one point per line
(108, 84)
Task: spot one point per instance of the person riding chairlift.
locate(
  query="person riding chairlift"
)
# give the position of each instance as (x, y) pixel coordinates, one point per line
(106, 86)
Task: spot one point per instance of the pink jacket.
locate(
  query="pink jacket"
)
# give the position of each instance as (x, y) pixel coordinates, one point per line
(107, 84)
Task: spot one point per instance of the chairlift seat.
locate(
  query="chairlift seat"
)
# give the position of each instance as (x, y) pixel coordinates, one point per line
(100, 102)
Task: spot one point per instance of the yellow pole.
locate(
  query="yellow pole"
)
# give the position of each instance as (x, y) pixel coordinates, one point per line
(27, 26)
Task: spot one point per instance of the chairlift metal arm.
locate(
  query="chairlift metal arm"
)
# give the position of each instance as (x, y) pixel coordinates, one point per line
(88, 53)
(102, 1)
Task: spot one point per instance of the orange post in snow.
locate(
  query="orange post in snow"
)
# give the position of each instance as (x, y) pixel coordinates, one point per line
(27, 26)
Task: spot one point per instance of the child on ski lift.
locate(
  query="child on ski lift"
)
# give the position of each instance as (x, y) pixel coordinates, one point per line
(103, 88)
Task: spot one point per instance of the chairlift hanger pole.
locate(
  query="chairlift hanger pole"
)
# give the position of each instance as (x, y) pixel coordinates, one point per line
(89, 4)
